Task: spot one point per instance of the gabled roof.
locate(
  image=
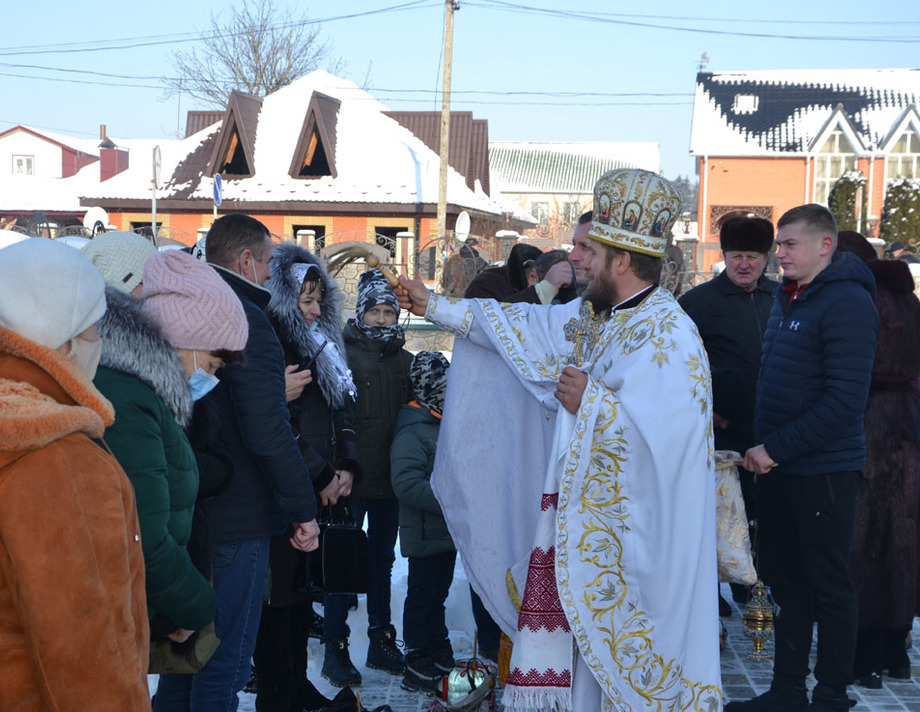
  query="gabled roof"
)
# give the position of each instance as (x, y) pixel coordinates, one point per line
(564, 167)
(908, 117)
(316, 144)
(237, 135)
(380, 165)
(50, 138)
(839, 119)
(776, 112)
(468, 153)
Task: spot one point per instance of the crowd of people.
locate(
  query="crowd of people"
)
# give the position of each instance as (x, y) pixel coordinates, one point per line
(175, 428)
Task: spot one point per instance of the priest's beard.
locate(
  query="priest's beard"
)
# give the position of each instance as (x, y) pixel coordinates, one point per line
(602, 291)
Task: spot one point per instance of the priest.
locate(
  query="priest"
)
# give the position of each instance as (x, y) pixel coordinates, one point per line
(575, 471)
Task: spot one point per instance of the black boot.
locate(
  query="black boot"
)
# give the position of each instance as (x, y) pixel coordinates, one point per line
(827, 699)
(443, 657)
(781, 697)
(316, 624)
(382, 651)
(344, 701)
(337, 666)
(422, 675)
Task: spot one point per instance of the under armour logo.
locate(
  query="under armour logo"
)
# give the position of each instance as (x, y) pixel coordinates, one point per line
(794, 325)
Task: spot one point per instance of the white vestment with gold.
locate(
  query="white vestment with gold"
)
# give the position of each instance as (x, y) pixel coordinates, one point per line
(632, 518)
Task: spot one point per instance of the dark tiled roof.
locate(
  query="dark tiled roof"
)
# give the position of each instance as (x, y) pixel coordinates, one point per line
(467, 153)
(195, 121)
(785, 110)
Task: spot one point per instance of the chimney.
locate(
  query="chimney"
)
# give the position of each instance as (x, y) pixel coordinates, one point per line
(112, 160)
(102, 135)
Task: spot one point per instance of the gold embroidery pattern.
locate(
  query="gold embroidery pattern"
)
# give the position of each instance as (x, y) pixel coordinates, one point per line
(431, 314)
(626, 629)
(508, 322)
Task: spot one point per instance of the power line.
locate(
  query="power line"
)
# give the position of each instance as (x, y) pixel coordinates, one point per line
(502, 5)
(180, 38)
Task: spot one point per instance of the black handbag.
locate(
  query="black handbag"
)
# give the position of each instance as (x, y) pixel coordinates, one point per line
(340, 563)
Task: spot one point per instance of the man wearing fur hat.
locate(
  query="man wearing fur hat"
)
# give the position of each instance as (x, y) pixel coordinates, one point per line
(731, 314)
(614, 550)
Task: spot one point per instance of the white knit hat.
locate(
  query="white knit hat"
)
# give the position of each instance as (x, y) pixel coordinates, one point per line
(120, 256)
(49, 292)
(192, 304)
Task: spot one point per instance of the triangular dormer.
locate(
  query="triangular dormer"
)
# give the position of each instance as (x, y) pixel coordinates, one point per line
(902, 146)
(314, 155)
(233, 155)
(839, 121)
(907, 121)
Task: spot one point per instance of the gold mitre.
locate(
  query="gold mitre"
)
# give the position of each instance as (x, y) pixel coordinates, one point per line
(634, 210)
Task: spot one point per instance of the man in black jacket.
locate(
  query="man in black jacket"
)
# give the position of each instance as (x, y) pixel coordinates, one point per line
(269, 489)
(731, 313)
(819, 346)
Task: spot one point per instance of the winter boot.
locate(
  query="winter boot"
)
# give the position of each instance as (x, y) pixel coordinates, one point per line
(344, 701)
(781, 697)
(442, 655)
(337, 666)
(827, 699)
(422, 675)
(382, 651)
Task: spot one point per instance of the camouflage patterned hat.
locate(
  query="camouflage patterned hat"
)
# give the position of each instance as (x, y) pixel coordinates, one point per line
(634, 210)
(428, 374)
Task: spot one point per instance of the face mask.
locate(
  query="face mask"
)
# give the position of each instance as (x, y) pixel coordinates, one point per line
(86, 355)
(201, 382)
(314, 326)
(255, 276)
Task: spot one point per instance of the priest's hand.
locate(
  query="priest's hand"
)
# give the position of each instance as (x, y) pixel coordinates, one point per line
(412, 295)
(571, 388)
(758, 460)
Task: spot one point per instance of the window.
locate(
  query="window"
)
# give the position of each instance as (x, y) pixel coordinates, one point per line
(570, 213)
(835, 158)
(319, 236)
(540, 211)
(23, 166)
(904, 159)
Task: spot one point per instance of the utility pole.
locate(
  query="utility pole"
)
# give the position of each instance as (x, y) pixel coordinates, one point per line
(449, 7)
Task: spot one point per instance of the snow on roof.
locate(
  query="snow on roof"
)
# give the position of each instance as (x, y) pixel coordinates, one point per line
(564, 167)
(377, 160)
(776, 112)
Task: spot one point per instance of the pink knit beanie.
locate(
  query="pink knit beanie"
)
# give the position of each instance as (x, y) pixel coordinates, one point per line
(195, 308)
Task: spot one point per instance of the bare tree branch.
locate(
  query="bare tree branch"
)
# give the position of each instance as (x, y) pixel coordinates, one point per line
(257, 49)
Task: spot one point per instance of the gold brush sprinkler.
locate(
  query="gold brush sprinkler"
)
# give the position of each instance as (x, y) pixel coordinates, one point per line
(358, 252)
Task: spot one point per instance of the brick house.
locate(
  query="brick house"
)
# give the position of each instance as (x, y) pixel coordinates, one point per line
(766, 141)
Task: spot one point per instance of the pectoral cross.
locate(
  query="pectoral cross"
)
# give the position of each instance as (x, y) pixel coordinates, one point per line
(584, 332)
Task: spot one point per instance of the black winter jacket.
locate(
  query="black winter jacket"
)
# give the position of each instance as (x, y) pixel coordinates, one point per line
(422, 529)
(381, 373)
(270, 486)
(731, 322)
(816, 369)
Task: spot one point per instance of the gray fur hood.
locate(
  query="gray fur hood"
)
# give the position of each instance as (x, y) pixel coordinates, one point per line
(331, 369)
(132, 344)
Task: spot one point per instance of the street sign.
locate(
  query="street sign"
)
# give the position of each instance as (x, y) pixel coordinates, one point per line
(218, 189)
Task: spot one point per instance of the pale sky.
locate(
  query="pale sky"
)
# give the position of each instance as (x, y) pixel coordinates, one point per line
(587, 76)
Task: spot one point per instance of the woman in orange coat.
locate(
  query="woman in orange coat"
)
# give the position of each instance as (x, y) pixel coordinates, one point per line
(73, 614)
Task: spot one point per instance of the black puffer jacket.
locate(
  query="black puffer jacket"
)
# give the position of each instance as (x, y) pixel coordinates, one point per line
(816, 369)
(381, 375)
(270, 486)
(731, 322)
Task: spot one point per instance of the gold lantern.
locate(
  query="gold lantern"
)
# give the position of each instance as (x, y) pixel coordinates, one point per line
(758, 621)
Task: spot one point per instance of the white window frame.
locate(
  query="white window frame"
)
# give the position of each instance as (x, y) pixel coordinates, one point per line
(902, 159)
(29, 162)
(847, 160)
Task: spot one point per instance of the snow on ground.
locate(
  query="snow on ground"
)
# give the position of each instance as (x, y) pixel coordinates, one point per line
(378, 686)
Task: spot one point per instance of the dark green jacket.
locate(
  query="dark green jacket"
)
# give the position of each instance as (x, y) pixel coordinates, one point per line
(381, 374)
(422, 529)
(153, 450)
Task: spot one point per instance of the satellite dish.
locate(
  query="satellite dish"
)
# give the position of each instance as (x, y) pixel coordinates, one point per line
(462, 228)
(95, 220)
(11, 237)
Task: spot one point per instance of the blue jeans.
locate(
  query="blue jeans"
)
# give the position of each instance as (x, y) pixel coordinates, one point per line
(382, 527)
(240, 569)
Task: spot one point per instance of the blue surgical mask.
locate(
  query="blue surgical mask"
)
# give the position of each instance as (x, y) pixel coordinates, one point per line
(201, 383)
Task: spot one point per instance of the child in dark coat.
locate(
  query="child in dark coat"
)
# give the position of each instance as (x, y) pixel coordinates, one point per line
(423, 534)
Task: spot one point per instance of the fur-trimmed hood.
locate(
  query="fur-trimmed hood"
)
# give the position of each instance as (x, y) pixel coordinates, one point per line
(331, 371)
(132, 344)
(44, 397)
